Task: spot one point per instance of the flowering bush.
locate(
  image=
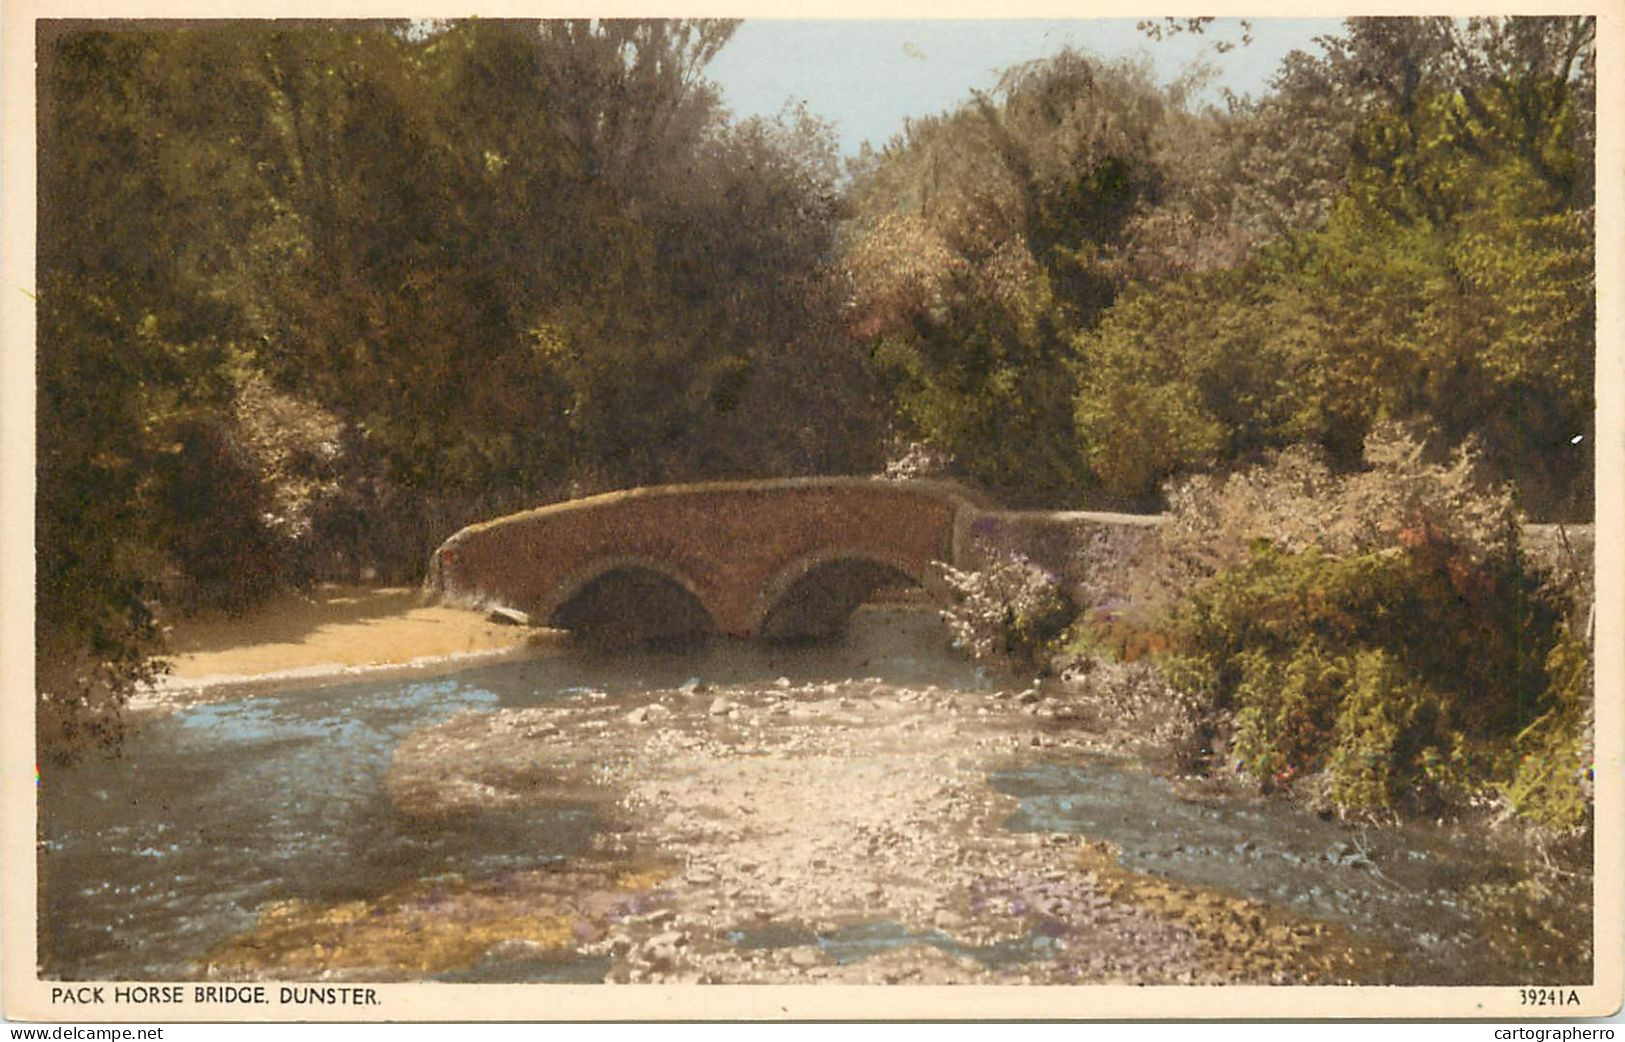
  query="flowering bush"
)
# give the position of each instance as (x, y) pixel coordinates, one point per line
(1296, 501)
(917, 462)
(1012, 610)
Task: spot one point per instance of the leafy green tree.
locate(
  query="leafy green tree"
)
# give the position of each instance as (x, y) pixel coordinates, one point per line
(134, 381)
(981, 239)
(1485, 192)
(1451, 280)
(314, 294)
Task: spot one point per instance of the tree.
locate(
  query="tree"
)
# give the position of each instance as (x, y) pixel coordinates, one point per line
(628, 94)
(315, 294)
(981, 240)
(1451, 281)
(133, 369)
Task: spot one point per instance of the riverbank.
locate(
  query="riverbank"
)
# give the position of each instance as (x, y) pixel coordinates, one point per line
(330, 634)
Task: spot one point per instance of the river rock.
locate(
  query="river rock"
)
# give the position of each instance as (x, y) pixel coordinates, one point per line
(661, 950)
(650, 713)
(508, 616)
(658, 917)
(720, 707)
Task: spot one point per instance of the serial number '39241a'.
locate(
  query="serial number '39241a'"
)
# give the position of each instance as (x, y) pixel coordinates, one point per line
(1548, 997)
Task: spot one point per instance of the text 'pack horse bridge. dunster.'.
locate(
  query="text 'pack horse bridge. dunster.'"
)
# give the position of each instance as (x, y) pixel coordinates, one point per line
(772, 559)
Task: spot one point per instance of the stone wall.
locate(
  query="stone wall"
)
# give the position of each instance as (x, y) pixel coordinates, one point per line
(1063, 543)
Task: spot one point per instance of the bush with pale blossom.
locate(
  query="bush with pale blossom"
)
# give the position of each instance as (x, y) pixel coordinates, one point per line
(1011, 610)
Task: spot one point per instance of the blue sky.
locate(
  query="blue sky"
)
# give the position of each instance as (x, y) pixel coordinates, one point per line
(867, 76)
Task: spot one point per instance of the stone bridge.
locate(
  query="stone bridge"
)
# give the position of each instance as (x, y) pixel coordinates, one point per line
(772, 559)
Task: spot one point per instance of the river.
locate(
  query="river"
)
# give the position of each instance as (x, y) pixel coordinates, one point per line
(215, 812)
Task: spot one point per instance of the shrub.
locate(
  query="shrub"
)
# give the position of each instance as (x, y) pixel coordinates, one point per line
(1387, 718)
(1296, 500)
(1552, 783)
(1286, 709)
(1011, 610)
(84, 677)
(1383, 670)
(1382, 632)
(295, 447)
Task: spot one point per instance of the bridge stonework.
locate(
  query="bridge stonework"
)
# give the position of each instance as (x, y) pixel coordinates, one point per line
(738, 547)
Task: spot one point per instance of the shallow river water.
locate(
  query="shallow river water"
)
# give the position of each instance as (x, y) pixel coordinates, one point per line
(148, 861)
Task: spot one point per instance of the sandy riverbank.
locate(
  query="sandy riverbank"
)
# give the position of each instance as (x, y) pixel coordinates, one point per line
(330, 633)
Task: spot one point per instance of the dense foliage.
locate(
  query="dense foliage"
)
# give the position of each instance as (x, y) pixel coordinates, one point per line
(311, 295)
(980, 240)
(1080, 286)
(1449, 282)
(1381, 638)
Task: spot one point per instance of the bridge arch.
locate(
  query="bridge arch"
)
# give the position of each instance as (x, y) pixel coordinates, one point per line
(815, 594)
(629, 598)
(740, 550)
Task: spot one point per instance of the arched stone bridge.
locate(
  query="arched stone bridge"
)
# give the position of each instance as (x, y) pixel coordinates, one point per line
(779, 558)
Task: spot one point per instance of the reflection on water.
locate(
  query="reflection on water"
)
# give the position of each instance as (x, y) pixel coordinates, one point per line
(149, 860)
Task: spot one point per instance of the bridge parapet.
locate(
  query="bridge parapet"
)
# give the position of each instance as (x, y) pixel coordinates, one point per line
(1062, 542)
(739, 549)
